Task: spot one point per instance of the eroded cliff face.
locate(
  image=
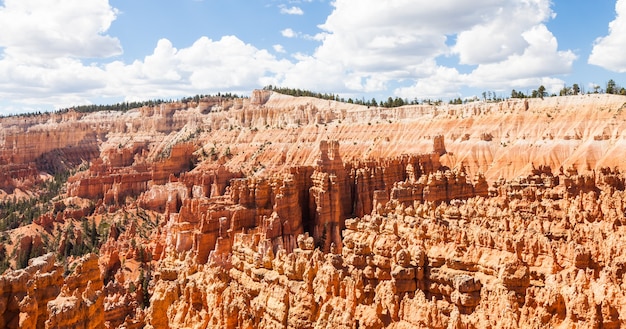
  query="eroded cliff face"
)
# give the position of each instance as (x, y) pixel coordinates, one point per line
(539, 252)
(282, 212)
(40, 296)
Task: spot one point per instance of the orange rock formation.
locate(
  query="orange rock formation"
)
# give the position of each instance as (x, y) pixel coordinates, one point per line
(282, 212)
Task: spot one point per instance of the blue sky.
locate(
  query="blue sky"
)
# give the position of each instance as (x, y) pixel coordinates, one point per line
(58, 53)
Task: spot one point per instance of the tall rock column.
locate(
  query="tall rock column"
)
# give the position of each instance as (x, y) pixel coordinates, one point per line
(439, 146)
(287, 207)
(327, 196)
(81, 301)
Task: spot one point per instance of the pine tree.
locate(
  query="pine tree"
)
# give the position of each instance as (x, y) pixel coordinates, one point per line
(611, 87)
(93, 236)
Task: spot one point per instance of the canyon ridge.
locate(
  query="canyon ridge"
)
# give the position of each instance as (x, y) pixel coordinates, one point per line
(273, 211)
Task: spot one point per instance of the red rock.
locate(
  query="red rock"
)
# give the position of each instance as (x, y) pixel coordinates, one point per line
(308, 222)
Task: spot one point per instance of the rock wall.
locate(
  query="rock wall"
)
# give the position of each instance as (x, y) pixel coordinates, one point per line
(538, 260)
(282, 212)
(39, 296)
(120, 177)
(81, 301)
(274, 132)
(316, 200)
(25, 293)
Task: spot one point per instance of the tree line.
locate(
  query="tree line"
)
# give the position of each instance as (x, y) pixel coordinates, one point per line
(390, 102)
(611, 87)
(15, 213)
(124, 106)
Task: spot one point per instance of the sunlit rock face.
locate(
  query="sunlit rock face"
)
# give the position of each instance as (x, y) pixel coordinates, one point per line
(282, 212)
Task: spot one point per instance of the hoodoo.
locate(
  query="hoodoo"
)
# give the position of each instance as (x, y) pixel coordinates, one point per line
(296, 212)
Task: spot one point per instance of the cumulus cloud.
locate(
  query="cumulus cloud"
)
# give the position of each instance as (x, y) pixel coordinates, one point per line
(43, 44)
(502, 34)
(443, 82)
(288, 33)
(61, 82)
(364, 46)
(540, 58)
(534, 66)
(279, 48)
(291, 10)
(608, 51)
(207, 65)
(45, 47)
(73, 28)
(374, 43)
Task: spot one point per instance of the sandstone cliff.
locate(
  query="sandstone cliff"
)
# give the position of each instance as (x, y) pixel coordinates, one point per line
(282, 212)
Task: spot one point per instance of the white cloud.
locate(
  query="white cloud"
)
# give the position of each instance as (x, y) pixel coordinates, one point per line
(288, 33)
(207, 65)
(317, 37)
(533, 67)
(41, 28)
(309, 72)
(44, 46)
(443, 82)
(364, 46)
(279, 48)
(373, 43)
(608, 51)
(501, 35)
(291, 10)
(539, 59)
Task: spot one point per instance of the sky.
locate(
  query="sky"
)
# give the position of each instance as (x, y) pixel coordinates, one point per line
(60, 53)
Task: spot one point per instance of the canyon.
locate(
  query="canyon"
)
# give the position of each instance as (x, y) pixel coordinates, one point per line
(274, 211)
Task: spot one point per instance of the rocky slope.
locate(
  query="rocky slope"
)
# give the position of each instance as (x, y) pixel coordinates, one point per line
(276, 212)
